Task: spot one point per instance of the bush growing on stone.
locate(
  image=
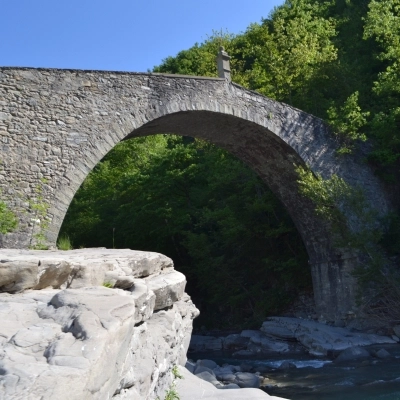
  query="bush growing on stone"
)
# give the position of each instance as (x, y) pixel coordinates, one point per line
(8, 220)
(172, 393)
(64, 243)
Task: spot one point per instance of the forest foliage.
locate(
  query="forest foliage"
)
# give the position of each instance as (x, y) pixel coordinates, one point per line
(242, 255)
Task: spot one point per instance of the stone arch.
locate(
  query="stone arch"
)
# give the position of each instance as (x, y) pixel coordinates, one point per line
(89, 112)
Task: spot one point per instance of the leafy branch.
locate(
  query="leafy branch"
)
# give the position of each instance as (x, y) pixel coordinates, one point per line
(346, 122)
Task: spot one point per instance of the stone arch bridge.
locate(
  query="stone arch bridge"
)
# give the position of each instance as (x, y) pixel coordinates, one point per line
(56, 125)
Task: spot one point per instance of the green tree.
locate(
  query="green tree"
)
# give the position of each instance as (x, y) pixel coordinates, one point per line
(383, 25)
(288, 50)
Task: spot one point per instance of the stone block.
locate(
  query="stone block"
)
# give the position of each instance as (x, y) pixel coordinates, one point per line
(168, 288)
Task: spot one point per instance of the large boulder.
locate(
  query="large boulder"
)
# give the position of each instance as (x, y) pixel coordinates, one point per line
(168, 287)
(39, 269)
(226, 377)
(235, 342)
(261, 343)
(73, 338)
(225, 374)
(207, 363)
(247, 380)
(200, 343)
(208, 377)
(274, 327)
(353, 354)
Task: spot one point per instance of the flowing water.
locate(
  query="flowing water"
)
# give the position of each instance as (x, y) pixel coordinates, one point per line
(322, 379)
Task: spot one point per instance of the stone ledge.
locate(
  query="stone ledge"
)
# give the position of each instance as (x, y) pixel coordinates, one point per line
(38, 269)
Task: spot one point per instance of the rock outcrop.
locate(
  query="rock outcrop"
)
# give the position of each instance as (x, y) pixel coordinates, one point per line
(191, 387)
(319, 339)
(284, 335)
(90, 324)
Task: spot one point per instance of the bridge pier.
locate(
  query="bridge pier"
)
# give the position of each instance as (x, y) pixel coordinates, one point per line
(335, 288)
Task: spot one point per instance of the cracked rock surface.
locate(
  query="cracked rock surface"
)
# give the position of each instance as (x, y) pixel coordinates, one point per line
(318, 339)
(64, 335)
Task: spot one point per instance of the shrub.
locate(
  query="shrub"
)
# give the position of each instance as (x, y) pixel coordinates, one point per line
(8, 220)
(64, 243)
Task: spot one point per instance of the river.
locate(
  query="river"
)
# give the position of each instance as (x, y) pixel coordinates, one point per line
(322, 379)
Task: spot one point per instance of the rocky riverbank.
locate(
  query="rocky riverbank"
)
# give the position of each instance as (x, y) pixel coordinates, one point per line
(289, 335)
(290, 357)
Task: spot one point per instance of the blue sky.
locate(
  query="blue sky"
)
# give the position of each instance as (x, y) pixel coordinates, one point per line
(121, 35)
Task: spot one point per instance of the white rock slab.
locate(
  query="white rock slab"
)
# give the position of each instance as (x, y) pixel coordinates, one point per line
(193, 388)
(38, 269)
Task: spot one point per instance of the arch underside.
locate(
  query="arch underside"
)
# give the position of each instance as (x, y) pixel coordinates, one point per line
(264, 152)
(274, 161)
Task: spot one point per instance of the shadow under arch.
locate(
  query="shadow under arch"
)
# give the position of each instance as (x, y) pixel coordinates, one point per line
(264, 152)
(274, 161)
